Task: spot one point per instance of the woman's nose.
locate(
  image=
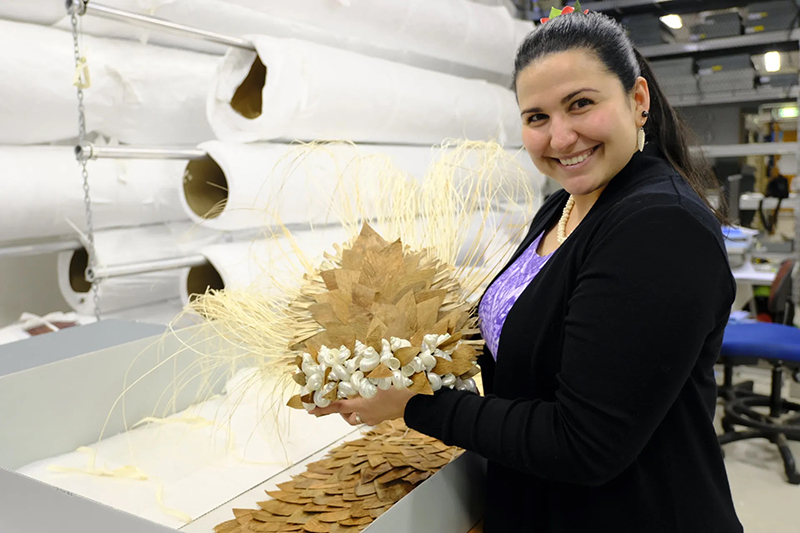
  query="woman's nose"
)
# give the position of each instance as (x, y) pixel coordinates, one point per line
(562, 135)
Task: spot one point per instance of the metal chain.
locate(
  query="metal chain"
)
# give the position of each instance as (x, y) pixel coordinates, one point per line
(82, 159)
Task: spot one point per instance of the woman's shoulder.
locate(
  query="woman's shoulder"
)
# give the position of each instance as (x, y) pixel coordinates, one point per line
(667, 194)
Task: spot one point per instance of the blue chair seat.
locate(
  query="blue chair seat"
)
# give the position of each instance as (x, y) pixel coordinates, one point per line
(763, 340)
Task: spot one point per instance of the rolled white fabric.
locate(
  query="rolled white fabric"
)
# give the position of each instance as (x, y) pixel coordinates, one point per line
(453, 36)
(462, 31)
(37, 11)
(261, 184)
(43, 191)
(126, 246)
(139, 94)
(254, 185)
(263, 266)
(296, 90)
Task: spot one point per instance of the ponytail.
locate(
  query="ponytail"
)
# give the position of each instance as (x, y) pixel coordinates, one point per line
(673, 138)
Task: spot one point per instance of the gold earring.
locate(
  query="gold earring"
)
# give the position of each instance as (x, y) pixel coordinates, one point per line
(640, 138)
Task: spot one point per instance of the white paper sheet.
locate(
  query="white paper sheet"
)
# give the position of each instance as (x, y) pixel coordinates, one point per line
(199, 467)
(43, 189)
(139, 94)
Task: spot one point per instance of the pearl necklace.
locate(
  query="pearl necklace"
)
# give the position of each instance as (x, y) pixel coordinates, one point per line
(561, 236)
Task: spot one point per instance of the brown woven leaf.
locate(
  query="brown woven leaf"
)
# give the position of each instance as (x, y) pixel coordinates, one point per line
(380, 371)
(295, 402)
(356, 521)
(421, 385)
(406, 355)
(315, 526)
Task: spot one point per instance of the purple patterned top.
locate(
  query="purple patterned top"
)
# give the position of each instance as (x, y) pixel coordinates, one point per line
(505, 290)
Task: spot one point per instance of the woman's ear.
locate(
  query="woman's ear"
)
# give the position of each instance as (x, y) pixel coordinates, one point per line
(641, 99)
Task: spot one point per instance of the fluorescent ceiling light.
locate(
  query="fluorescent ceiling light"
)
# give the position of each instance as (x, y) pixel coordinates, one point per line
(772, 61)
(788, 112)
(673, 21)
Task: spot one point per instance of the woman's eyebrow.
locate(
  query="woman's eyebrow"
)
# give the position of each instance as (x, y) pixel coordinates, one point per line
(564, 100)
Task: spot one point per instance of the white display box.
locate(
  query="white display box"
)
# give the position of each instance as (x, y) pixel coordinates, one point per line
(58, 406)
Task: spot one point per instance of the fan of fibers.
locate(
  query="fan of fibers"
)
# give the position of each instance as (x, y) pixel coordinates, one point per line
(411, 259)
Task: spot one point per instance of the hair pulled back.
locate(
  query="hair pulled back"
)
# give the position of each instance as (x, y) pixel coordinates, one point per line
(606, 38)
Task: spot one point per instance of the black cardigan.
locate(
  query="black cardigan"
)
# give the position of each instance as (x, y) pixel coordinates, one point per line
(599, 411)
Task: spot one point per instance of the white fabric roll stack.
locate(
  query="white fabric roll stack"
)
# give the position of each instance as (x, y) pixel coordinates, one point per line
(296, 90)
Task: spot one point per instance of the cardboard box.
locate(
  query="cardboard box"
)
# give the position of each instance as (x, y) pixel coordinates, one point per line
(62, 404)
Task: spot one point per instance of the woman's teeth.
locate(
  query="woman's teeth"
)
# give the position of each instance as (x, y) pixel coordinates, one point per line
(576, 160)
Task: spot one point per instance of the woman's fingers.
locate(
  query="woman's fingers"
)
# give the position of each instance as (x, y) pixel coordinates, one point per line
(342, 406)
(351, 418)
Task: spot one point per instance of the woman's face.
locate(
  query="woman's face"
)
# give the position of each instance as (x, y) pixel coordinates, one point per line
(578, 123)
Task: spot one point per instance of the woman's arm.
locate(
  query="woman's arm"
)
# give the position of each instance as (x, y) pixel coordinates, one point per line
(650, 291)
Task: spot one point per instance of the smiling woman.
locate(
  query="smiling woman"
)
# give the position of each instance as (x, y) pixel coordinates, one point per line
(603, 329)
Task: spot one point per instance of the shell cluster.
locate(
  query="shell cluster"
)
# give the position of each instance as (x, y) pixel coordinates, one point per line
(341, 373)
(376, 315)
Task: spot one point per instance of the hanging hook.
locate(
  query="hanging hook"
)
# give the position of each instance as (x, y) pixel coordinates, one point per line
(76, 7)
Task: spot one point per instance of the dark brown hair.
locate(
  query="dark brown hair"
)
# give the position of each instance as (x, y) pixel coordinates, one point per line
(606, 38)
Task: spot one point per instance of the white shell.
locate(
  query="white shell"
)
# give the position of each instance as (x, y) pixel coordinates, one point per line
(314, 382)
(309, 406)
(428, 360)
(347, 390)
(443, 355)
(319, 400)
(435, 381)
(367, 389)
(408, 370)
(370, 352)
(429, 342)
(331, 358)
(396, 343)
(384, 383)
(351, 365)
(393, 363)
(399, 381)
(344, 354)
(368, 364)
(386, 349)
(308, 365)
(448, 380)
(340, 372)
(469, 385)
(360, 348)
(416, 363)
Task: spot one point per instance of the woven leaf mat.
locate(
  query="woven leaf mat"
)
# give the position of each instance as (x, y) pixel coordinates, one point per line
(352, 486)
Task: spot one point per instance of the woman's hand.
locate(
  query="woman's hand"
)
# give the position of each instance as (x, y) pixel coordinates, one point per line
(387, 404)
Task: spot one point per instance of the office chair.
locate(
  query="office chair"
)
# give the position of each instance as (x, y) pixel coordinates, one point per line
(778, 343)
